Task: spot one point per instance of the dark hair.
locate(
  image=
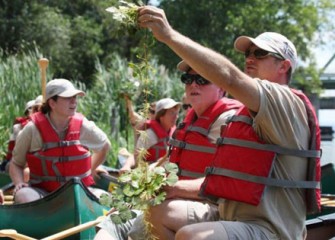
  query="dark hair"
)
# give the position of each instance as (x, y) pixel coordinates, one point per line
(159, 114)
(45, 108)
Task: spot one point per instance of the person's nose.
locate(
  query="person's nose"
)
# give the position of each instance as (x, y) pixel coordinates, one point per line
(250, 59)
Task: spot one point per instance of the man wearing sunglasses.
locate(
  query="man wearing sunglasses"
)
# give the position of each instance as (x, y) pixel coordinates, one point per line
(280, 117)
(193, 146)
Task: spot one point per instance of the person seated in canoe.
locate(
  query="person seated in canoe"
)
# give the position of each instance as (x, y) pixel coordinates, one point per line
(266, 171)
(56, 145)
(31, 107)
(137, 121)
(193, 147)
(156, 133)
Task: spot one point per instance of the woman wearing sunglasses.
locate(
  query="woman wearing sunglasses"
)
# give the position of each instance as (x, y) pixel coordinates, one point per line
(281, 117)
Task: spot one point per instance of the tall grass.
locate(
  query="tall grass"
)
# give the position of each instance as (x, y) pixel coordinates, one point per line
(103, 103)
(19, 83)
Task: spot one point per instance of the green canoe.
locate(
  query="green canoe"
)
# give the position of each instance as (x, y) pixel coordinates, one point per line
(71, 205)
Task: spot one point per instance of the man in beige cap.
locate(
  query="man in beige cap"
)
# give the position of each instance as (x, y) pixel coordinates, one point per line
(280, 116)
(57, 130)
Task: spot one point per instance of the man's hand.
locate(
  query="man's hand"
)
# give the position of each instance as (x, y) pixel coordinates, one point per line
(155, 19)
(98, 170)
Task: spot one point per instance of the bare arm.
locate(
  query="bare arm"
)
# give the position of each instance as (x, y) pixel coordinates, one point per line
(2, 198)
(185, 189)
(16, 174)
(98, 158)
(134, 117)
(129, 164)
(208, 63)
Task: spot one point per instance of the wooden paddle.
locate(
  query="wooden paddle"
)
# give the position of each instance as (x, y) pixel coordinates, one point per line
(74, 230)
(11, 233)
(43, 64)
(9, 198)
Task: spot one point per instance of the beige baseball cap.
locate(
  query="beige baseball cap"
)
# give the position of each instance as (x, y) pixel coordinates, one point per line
(166, 103)
(61, 87)
(271, 42)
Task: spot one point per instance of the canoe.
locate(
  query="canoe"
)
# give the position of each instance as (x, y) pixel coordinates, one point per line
(71, 205)
(108, 181)
(328, 191)
(321, 228)
(5, 181)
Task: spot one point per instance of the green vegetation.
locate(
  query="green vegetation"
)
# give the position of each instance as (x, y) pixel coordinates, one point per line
(139, 190)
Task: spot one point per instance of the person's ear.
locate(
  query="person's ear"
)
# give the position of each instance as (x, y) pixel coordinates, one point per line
(222, 92)
(285, 66)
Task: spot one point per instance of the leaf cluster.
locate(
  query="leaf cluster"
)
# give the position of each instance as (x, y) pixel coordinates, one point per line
(139, 189)
(125, 15)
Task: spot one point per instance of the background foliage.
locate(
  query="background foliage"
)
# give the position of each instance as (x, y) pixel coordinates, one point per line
(84, 45)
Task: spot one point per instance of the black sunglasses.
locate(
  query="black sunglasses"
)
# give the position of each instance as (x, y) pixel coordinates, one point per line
(186, 106)
(188, 79)
(261, 53)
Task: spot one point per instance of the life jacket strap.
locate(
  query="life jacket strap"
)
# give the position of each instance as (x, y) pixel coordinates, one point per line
(269, 147)
(262, 180)
(50, 145)
(193, 147)
(186, 173)
(63, 179)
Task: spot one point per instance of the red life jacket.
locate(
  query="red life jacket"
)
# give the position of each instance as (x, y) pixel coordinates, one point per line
(243, 177)
(59, 160)
(11, 144)
(191, 148)
(160, 148)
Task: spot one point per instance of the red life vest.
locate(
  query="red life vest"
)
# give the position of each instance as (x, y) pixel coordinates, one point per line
(11, 144)
(160, 148)
(237, 173)
(191, 148)
(59, 160)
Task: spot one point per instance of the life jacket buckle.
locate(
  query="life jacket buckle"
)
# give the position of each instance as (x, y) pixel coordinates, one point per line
(209, 170)
(63, 144)
(60, 179)
(63, 159)
(219, 141)
(182, 145)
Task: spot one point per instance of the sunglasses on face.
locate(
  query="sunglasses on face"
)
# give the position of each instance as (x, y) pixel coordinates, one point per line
(261, 53)
(188, 79)
(186, 106)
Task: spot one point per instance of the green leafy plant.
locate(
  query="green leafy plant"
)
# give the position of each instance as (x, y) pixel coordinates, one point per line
(139, 189)
(125, 14)
(142, 187)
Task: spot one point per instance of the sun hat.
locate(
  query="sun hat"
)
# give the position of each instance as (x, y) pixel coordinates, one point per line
(29, 104)
(62, 88)
(271, 42)
(38, 101)
(166, 103)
